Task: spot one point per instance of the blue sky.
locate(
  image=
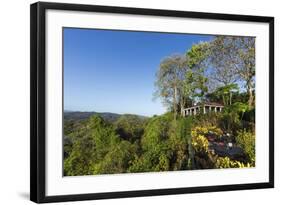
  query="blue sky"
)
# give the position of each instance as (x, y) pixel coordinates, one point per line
(114, 71)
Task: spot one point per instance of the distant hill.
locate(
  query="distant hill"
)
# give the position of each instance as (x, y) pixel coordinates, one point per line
(76, 115)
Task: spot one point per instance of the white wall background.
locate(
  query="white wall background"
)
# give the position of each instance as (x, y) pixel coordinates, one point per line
(14, 100)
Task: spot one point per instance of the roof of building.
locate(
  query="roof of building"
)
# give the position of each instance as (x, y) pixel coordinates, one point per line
(206, 104)
(212, 104)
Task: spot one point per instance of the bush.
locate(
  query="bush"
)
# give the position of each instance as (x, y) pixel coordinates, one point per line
(207, 120)
(225, 162)
(232, 116)
(200, 144)
(206, 130)
(246, 140)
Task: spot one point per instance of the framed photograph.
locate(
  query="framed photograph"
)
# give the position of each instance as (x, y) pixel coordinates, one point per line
(129, 102)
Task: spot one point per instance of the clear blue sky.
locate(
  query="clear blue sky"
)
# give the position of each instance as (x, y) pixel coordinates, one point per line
(114, 71)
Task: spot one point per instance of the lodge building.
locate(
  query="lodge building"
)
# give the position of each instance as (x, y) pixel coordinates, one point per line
(204, 108)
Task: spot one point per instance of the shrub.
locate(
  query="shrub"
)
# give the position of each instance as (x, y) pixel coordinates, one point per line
(225, 162)
(200, 144)
(232, 116)
(208, 119)
(207, 129)
(246, 140)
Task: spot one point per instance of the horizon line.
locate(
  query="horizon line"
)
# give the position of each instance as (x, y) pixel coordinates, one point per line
(114, 113)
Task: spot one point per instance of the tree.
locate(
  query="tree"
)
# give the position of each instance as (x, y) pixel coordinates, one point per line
(246, 68)
(178, 142)
(117, 159)
(156, 153)
(233, 60)
(195, 80)
(226, 92)
(164, 145)
(222, 61)
(169, 81)
(130, 127)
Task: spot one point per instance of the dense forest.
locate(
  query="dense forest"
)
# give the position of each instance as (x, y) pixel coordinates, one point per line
(219, 71)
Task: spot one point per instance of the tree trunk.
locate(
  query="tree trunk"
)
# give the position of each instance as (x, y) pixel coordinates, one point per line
(223, 99)
(175, 103)
(191, 162)
(251, 96)
(182, 106)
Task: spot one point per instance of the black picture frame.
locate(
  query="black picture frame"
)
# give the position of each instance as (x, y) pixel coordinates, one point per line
(38, 97)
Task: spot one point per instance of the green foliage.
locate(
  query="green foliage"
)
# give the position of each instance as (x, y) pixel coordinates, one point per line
(204, 130)
(203, 158)
(96, 147)
(130, 127)
(69, 126)
(195, 80)
(154, 145)
(221, 59)
(207, 120)
(197, 54)
(195, 84)
(226, 93)
(246, 140)
(232, 116)
(225, 162)
(97, 151)
(80, 159)
(179, 140)
(156, 159)
(233, 60)
(164, 145)
(156, 131)
(200, 144)
(169, 81)
(116, 160)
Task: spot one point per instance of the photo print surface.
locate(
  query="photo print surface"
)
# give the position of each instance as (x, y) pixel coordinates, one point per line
(137, 102)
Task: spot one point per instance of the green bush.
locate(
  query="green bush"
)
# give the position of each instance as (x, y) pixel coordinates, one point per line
(207, 120)
(246, 140)
(225, 162)
(200, 144)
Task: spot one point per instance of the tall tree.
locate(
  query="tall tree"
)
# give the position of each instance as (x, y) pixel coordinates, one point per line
(195, 79)
(169, 81)
(233, 60)
(222, 57)
(246, 64)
